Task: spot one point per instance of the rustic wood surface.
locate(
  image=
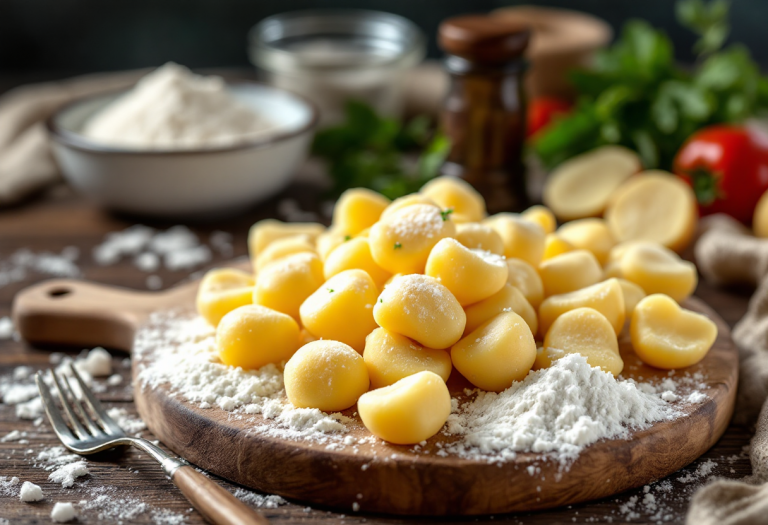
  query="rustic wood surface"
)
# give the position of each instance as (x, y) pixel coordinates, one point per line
(380, 477)
(58, 220)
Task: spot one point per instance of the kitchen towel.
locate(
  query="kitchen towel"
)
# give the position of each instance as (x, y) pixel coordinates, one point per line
(26, 161)
(727, 253)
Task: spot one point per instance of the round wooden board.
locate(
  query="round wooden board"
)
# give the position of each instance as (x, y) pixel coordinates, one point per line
(377, 476)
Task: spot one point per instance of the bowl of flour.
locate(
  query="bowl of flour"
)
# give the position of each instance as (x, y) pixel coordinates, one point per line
(179, 144)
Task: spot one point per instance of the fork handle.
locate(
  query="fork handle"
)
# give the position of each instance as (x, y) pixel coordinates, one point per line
(216, 504)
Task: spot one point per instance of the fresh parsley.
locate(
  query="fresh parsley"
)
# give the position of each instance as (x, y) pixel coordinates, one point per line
(637, 96)
(398, 246)
(371, 151)
(445, 214)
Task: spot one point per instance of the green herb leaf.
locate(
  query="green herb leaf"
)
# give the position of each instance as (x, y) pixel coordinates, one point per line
(445, 214)
(398, 246)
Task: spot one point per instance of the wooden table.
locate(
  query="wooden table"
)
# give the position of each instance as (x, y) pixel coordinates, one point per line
(60, 219)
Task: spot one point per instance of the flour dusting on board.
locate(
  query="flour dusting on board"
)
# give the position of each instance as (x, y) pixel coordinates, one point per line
(556, 411)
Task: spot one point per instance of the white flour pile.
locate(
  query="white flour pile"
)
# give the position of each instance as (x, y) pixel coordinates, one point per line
(557, 411)
(172, 108)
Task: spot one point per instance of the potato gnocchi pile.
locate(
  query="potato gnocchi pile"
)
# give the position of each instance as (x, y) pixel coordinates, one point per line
(380, 308)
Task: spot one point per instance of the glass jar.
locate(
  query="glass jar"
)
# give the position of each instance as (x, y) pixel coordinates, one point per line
(331, 56)
(484, 112)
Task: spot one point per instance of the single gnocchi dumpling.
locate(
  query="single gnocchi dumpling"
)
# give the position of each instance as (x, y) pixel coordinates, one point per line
(405, 201)
(327, 375)
(476, 236)
(633, 294)
(355, 254)
(358, 209)
(497, 353)
(583, 331)
(401, 243)
(263, 233)
(458, 196)
(221, 291)
(555, 245)
(569, 272)
(391, 357)
(589, 234)
(470, 275)
(525, 278)
(284, 284)
(508, 299)
(606, 297)
(283, 248)
(253, 336)
(542, 216)
(669, 337)
(328, 241)
(409, 411)
(659, 270)
(419, 307)
(342, 309)
(522, 239)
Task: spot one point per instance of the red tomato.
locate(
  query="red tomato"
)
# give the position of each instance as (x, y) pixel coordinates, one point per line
(541, 111)
(727, 167)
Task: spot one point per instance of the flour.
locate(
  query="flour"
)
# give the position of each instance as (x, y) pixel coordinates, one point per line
(267, 501)
(97, 363)
(30, 492)
(111, 505)
(124, 420)
(557, 411)
(6, 328)
(22, 262)
(66, 474)
(172, 108)
(63, 512)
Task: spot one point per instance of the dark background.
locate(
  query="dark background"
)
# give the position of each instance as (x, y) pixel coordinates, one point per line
(75, 36)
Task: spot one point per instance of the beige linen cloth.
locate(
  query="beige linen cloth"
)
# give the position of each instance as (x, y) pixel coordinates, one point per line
(26, 162)
(727, 253)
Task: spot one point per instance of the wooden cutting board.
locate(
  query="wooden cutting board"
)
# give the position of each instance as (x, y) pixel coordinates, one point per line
(377, 476)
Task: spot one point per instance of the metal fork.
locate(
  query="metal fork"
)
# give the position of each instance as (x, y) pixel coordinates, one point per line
(88, 429)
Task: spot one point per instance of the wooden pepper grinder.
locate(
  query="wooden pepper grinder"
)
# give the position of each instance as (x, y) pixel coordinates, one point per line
(484, 113)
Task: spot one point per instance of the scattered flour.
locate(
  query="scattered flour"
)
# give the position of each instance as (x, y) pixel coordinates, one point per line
(290, 210)
(9, 487)
(6, 328)
(30, 492)
(124, 420)
(18, 266)
(112, 505)
(270, 501)
(63, 512)
(13, 435)
(97, 363)
(66, 474)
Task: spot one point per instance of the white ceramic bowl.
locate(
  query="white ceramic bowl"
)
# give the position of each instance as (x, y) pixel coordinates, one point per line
(174, 183)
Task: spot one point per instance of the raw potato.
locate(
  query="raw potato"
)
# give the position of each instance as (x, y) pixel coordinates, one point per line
(419, 307)
(410, 411)
(659, 270)
(476, 236)
(555, 245)
(283, 285)
(522, 239)
(582, 186)
(405, 201)
(263, 233)
(654, 206)
(327, 375)
(401, 243)
(253, 336)
(497, 353)
(358, 209)
(283, 248)
(760, 217)
(525, 278)
(342, 309)
(605, 297)
(470, 275)
(589, 234)
(569, 272)
(542, 216)
(221, 291)
(391, 357)
(669, 337)
(633, 294)
(355, 254)
(451, 193)
(583, 331)
(508, 299)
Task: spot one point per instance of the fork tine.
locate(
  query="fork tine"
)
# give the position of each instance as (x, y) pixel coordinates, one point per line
(54, 414)
(101, 416)
(76, 425)
(93, 428)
